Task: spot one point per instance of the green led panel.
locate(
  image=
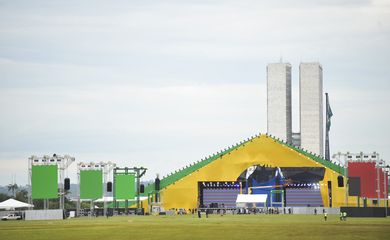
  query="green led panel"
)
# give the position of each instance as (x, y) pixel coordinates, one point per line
(44, 181)
(124, 186)
(91, 184)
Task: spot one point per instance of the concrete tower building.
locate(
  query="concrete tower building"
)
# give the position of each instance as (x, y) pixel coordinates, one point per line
(311, 109)
(279, 100)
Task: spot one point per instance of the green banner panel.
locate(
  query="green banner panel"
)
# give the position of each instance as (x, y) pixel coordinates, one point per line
(44, 181)
(91, 184)
(124, 186)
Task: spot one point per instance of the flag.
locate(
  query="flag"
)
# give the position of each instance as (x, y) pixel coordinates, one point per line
(329, 113)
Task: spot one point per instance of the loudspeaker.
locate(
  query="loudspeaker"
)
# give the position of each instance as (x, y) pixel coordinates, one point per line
(67, 184)
(340, 181)
(109, 186)
(142, 188)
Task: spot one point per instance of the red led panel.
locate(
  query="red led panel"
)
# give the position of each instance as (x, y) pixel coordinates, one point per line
(368, 179)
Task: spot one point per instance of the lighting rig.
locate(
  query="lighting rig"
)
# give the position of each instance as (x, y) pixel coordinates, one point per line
(62, 162)
(107, 169)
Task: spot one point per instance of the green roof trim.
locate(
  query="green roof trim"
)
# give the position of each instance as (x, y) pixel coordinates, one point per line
(335, 167)
(177, 175)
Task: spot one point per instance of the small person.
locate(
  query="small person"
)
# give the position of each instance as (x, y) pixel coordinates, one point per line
(325, 216)
(345, 216)
(341, 216)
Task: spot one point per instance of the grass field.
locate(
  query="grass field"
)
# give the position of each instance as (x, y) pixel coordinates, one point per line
(189, 227)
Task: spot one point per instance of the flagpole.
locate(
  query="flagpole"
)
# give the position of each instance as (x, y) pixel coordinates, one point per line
(328, 116)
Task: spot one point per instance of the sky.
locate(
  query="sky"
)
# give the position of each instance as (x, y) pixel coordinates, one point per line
(161, 84)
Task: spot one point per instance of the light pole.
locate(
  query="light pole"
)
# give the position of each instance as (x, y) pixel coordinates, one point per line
(381, 164)
(384, 189)
(107, 172)
(386, 182)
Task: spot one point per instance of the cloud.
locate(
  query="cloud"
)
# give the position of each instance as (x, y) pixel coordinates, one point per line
(205, 30)
(129, 121)
(176, 125)
(187, 76)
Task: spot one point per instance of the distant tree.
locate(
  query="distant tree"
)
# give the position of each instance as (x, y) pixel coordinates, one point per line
(85, 205)
(68, 203)
(22, 195)
(12, 188)
(4, 197)
(54, 203)
(38, 204)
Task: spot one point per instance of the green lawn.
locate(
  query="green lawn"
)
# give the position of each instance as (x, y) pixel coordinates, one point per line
(244, 227)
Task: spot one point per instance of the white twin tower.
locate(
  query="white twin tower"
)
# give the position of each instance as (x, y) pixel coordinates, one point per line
(279, 113)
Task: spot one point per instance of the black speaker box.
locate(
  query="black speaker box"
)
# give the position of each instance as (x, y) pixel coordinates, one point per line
(67, 184)
(109, 187)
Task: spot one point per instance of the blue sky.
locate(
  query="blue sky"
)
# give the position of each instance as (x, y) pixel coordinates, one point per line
(164, 83)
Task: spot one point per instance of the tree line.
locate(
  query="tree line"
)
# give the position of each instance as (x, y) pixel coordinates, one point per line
(21, 194)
